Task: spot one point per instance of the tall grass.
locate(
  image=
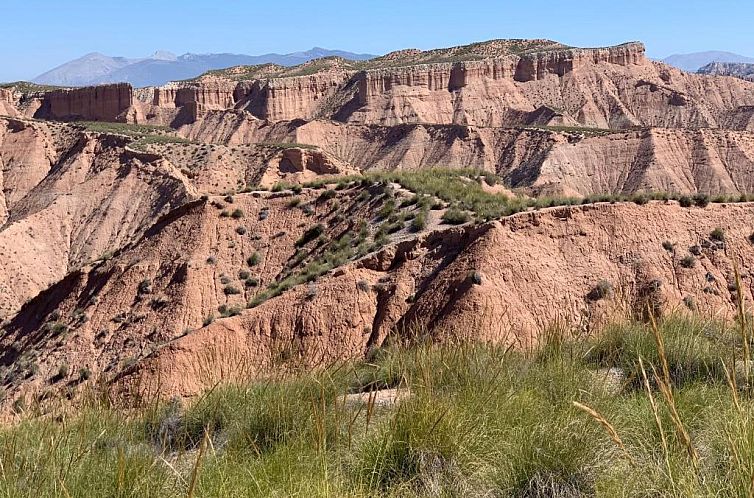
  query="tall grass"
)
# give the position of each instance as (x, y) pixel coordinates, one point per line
(635, 410)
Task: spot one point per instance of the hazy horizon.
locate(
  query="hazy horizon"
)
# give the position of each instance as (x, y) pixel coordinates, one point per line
(51, 37)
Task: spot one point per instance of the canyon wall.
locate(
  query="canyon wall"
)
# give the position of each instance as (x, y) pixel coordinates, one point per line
(98, 103)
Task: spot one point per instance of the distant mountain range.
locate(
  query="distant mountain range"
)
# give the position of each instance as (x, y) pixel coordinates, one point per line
(161, 67)
(742, 70)
(695, 61)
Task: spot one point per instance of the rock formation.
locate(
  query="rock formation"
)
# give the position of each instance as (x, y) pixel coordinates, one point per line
(177, 258)
(99, 103)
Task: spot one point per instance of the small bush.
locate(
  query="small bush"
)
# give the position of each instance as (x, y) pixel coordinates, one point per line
(419, 223)
(688, 261)
(310, 235)
(455, 216)
(251, 282)
(294, 202)
(236, 214)
(718, 234)
(241, 230)
(231, 290)
(224, 213)
(326, 195)
(84, 374)
(229, 199)
(243, 275)
(145, 286)
(685, 201)
(701, 200)
(207, 321)
(600, 291)
(668, 246)
(363, 286)
(254, 259)
(211, 260)
(640, 199)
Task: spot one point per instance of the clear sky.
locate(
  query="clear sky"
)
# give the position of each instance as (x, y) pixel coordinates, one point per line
(40, 34)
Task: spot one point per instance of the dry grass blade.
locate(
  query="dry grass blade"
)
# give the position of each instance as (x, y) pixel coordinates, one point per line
(744, 330)
(656, 414)
(608, 427)
(730, 378)
(195, 470)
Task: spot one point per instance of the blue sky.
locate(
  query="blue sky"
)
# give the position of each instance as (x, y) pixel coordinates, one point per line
(38, 35)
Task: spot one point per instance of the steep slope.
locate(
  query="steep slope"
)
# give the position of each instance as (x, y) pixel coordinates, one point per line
(142, 319)
(70, 200)
(207, 258)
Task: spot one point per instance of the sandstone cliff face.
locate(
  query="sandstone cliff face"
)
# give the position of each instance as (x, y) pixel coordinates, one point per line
(7, 107)
(99, 103)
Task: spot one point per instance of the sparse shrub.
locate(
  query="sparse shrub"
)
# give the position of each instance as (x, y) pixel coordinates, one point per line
(243, 275)
(241, 230)
(294, 202)
(701, 200)
(455, 216)
(254, 259)
(211, 260)
(326, 195)
(63, 371)
(695, 250)
(688, 261)
(363, 286)
(668, 246)
(229, 199)
(751, 238)
(231, 290)
(419, 223)
(310, 235)
(475, 277)
(600, 291)
(237, 214)
(311, 291)
(718, 234)
(251, 282)
(208, 320)
(224, 279)
(145, 286)
(224, 213)
(640, 199)
(84, 374)
(57, 328)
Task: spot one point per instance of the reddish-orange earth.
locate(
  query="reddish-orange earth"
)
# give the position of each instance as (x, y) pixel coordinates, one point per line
(149, 251)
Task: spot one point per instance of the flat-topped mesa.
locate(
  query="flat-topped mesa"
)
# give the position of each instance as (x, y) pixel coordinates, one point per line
(294, 97)
(97, 103)
(214, 94)
(538, 65)
(521, 68)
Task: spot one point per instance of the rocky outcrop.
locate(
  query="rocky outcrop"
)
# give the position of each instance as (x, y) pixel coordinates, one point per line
(97, 103)
(7, 107)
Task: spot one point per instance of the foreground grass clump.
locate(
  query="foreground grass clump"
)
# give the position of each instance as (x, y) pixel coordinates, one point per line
(631, 411)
